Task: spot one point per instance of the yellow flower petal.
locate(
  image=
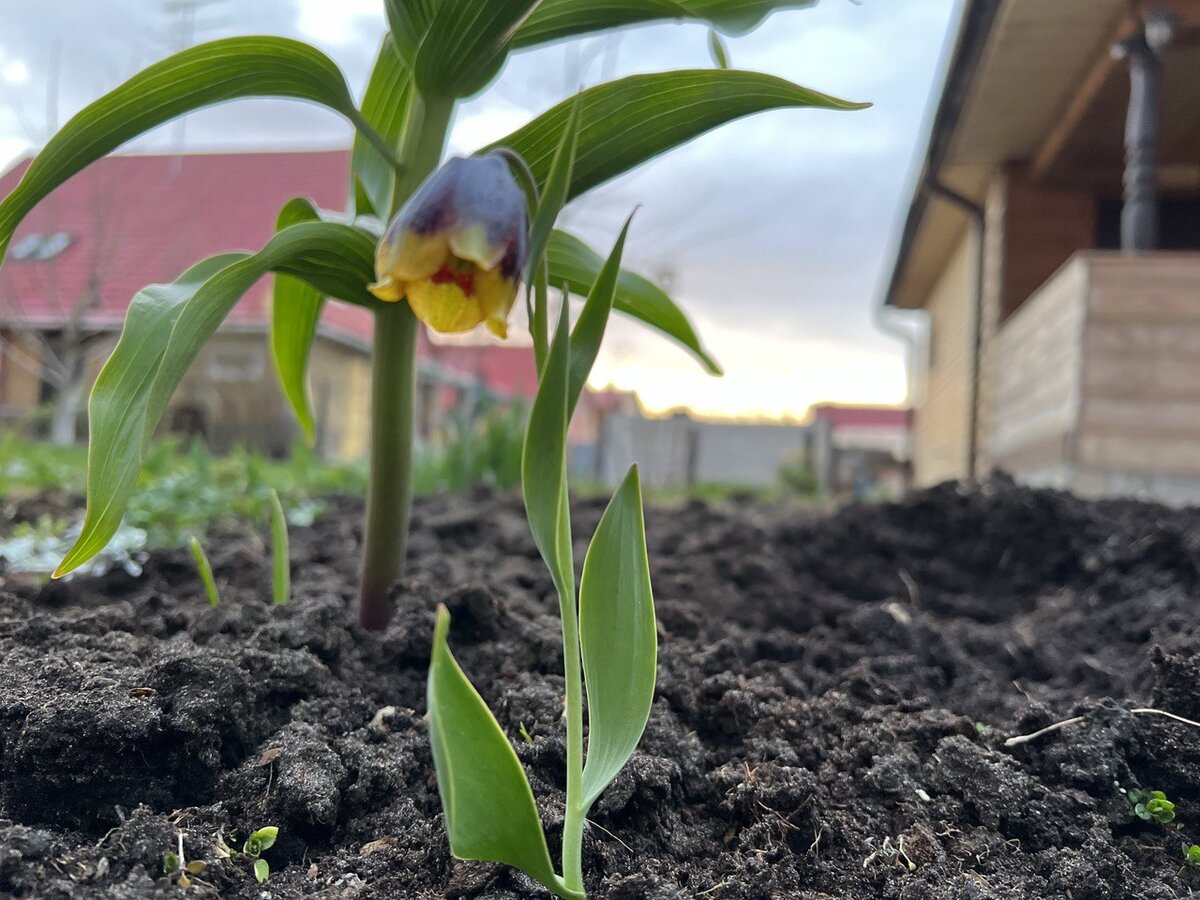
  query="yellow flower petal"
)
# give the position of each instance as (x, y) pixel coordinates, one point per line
(444, 307)
(408, 256)
(495, 294)
(387, 288)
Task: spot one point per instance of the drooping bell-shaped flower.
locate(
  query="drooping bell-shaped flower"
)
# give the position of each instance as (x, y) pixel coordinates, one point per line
(457, 248)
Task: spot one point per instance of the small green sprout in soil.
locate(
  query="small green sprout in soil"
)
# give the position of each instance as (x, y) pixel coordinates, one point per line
(1150, 806)
(204, 568)
(254, 846)
(281, 571)
(177, 870)
(1191, 857)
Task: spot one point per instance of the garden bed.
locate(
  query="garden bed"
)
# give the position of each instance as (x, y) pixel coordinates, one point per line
(833, 700)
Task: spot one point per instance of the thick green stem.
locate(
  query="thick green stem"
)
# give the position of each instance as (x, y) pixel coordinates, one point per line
(572, 840)
(389, 494)
(393, 389)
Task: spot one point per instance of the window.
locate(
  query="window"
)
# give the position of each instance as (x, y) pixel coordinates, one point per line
(40, 247)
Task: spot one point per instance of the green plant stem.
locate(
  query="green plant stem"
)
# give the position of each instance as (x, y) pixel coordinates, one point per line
(572, 839)
(394, 387)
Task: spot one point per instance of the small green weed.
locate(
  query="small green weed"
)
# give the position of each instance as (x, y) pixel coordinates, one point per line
(253, 848)
(1150, 806)
(177, 870)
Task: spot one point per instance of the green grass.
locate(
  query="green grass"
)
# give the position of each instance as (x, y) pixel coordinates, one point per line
(185, 490)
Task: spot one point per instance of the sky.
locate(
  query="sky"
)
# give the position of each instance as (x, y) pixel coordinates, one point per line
(775, 233)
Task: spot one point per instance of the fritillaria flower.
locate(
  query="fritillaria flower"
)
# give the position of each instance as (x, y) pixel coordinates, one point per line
(457, 248)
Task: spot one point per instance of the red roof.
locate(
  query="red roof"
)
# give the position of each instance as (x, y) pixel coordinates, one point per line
(137, 220)
(505, 368)
(863, 416)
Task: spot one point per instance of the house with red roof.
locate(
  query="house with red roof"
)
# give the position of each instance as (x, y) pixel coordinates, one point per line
(128, 221)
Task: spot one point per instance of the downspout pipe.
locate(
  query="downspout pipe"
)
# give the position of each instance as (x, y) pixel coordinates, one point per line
(976, 214)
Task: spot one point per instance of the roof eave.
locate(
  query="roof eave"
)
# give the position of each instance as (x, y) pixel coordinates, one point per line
(973, 33)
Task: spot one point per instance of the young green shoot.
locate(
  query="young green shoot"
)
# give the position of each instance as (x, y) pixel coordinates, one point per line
(204, 569)
(281, 566)
(608, 625)
(1191, 857)
(254, 846)
(259, 842)
(1150, 806)
(177, 869)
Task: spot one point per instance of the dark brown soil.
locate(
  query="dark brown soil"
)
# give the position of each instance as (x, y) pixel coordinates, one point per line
(833, 700)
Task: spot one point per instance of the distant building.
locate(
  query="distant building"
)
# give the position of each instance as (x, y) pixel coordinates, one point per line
(129, 221)
(860, 450)
(843, 449)
(1053, 245)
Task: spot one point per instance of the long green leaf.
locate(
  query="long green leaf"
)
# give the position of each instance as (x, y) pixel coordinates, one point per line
(576, 265)
(589, 329)
(626, 122)
(617, 637)
(197, 77)
(165, 328)
(466, 44)
(544, 463)
(281, 560)
(489, 807)
(295, 313)
(554, 191)
(557, 19)
(385, 107)
(550, 204)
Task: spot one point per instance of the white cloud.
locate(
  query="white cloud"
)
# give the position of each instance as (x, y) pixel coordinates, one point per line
(338, 22)
(15, 72)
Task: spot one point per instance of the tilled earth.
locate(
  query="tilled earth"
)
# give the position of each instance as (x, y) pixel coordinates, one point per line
(833, 701)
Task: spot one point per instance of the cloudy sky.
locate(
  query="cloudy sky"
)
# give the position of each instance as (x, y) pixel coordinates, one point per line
(774, 232)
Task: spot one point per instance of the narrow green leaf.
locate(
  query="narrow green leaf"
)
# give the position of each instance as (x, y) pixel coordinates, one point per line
(204, 568)
(165, 327)
(617, 637)
(281, 563)
(295, 314)
(466, 44)
(554, 192)
(197, 77)
(489, 808)
(577, 266)
(626, 122)
(262, 870)
(385, 107)
(716, 47)
(557, 19)
(593, 319)
(544, 463)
